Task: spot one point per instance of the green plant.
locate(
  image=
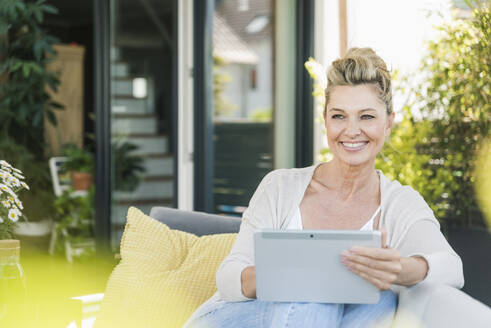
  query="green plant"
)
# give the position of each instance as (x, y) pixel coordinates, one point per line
(222, 106)
(25, 100)
(454, 101)
(74, 218)
(262, 115)
(38, 203)
(78, 159)
(128, 166)
(11, 183)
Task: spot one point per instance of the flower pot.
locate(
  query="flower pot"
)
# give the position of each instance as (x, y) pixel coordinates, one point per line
(35, 229)
(12, 284)
(81, 180)
(34, 235)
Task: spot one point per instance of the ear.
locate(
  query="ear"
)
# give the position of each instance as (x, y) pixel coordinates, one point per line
(390, 123)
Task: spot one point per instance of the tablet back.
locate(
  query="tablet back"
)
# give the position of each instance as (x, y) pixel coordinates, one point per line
(305, 266)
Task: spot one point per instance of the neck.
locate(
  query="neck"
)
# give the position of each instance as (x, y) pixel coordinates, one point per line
(348, 180)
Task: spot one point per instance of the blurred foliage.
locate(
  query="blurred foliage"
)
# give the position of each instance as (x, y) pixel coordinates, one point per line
(74, 218)
(38, 202)
(27, 48)
(221, 105)
(262, 115)
(128, 167)
(446, 118)
(438, 154)
(77, 159)
(483, 180)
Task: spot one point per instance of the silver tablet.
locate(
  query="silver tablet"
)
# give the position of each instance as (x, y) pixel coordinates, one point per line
(305, 266)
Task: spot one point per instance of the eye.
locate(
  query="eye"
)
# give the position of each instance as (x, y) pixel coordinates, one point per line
(337, 116)
(367, 117)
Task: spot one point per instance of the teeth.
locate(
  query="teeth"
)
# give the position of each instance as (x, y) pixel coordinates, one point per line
(353, 145)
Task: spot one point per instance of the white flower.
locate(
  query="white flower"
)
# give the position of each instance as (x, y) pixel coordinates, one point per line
(4, 163)
(1, 219)
(19, 204)
(16, 170)
(14, 215)
(7, 189)
(18, 175)
(6, 203)
(23, 184)
(15, 182)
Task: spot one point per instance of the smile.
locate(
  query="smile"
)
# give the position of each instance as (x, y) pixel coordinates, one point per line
(354, 146)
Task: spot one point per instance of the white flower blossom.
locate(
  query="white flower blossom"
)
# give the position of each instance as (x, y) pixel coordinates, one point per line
(24, 185)
(16, 170)
(19, 204)
(6, 203)
(14, 215)
(4, 163)
(1, 219)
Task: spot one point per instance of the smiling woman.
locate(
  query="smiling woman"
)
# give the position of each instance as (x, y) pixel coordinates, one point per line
(346, 193)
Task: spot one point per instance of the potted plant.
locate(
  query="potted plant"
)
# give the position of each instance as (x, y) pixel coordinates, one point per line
(37, 223)
(11, 273)
(128, 166)
(74, 221)
(11, 182)
(80, 163)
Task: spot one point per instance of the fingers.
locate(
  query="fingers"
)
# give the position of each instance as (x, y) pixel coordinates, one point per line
(381, 267)
(394, 267)
(381, 285)
(384, 237)
(386, 254)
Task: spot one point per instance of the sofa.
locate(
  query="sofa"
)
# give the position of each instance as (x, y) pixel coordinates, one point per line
(203, 240)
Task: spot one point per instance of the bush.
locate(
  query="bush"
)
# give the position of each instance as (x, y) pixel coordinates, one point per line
(437, 155)
(24, 98)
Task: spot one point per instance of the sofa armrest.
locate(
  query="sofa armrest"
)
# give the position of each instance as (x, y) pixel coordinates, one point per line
(436, 305)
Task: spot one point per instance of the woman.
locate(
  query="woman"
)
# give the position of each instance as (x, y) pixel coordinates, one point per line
(345, 193)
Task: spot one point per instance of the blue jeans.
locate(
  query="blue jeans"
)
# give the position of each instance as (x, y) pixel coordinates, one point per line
(278, 314)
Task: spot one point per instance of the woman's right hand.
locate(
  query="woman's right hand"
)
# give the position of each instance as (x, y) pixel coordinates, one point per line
(248, 280)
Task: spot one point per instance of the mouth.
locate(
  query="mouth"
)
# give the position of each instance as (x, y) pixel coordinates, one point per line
(354, 146)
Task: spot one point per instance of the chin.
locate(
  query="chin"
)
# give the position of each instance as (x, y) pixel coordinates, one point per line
(354, 160)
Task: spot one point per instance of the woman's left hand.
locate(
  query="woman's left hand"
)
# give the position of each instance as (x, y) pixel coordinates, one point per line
(380, 266)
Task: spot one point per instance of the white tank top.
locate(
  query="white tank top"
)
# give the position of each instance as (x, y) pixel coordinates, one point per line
(296, 221)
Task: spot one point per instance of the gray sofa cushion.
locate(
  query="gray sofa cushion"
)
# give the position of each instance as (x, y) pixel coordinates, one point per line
(197, 223)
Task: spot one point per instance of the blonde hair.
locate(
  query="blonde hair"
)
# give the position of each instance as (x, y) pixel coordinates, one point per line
(360, 66)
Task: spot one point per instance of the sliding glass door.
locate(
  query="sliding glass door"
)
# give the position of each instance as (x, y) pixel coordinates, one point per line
(242, 100)
(142, 79)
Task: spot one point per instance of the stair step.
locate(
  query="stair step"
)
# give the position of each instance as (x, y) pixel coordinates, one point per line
(122, 86)
(149, 144)
(151, 178)
(159, 166)
(147, 190)
(125, 104)
(119, 69)
(133, 115)
(134, 125)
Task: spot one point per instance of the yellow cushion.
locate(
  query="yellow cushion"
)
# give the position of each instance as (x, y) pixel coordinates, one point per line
(163, 276)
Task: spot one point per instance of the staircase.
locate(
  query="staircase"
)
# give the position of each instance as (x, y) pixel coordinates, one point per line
(133, 119)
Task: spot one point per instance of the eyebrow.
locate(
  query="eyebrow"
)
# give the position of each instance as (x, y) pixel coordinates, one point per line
(342, 110)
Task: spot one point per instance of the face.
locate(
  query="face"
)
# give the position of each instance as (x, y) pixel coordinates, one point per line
(357, 124)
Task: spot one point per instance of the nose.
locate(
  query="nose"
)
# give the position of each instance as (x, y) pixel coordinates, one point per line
(352, 128)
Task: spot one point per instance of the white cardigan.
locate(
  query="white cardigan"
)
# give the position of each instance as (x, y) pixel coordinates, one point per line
(410, 223)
